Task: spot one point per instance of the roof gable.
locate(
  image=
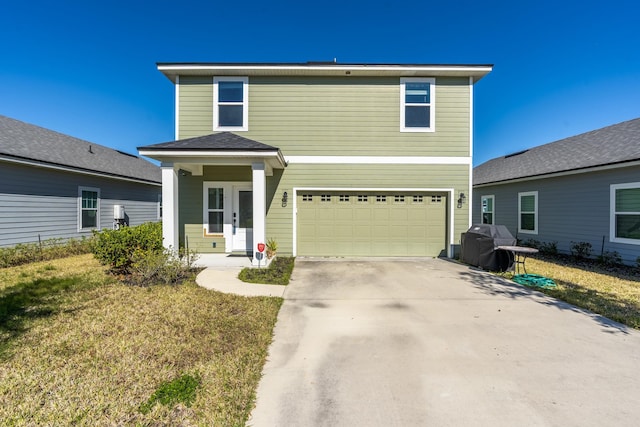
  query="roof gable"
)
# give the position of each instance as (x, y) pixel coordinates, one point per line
(24, 141)
(614, 144)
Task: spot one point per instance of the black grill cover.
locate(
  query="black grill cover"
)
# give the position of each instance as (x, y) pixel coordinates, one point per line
(477, 247)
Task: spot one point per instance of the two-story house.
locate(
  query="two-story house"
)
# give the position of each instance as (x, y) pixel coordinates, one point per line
(328, 159)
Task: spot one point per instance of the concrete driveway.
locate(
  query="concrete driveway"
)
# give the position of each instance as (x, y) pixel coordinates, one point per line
(422, 342)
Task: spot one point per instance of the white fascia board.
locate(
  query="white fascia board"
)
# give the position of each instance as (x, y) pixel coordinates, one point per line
(346, 67)
(38, 164)
(476, 72)
(207, 156)
(203, 153)
(379, 160)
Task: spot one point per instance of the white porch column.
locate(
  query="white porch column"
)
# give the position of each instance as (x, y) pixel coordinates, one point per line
(170, 234)
(259, 208)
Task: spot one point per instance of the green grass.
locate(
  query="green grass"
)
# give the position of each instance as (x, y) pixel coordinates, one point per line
(80, 348)
(278, 272)
(181, 390)
(613, 292)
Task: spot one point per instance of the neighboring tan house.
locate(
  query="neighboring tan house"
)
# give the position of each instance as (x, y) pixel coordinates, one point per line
(327, 159)
(582, 189)
(55, 186)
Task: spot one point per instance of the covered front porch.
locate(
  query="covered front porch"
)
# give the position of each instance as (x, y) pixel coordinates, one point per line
(224, 180)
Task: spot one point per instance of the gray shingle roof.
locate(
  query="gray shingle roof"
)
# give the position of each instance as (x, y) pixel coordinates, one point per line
(614, 144)
(226, 141)
(21, 140)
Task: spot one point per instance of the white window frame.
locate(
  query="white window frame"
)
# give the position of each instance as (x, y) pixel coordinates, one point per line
(535, 212)
(244, 103)
(493, 212)
(159, 212)
(431, 104)
(613, 214)
(205, 207)
(80, 208)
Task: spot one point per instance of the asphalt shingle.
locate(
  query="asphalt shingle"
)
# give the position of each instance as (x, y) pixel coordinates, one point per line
(26, 141)
(217, 141)
(614, 144)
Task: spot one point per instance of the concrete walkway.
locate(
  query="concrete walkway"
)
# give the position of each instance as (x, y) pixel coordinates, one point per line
(433, 343)
(221, 274)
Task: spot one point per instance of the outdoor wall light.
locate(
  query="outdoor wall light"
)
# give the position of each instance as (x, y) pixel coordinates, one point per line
(461, 199)
(285, 198)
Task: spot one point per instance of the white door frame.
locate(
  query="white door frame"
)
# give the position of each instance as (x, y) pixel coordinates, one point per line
(242, 238)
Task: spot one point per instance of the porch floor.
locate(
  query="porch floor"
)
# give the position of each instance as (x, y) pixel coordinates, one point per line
(223, 260)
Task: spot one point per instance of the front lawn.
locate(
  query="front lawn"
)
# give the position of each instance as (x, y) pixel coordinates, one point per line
(610, 292)
(79, 348)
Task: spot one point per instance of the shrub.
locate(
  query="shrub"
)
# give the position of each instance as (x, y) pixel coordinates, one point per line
(581, 249)
(610, 258)
(46, 250)
(160, 267)
(532, 243)
(116, 248)
(549, 248)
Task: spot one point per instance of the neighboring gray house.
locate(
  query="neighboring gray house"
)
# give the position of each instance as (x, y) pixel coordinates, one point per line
(585, 188)
(56, 186)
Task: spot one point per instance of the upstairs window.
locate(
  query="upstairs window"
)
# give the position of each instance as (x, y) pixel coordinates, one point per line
(417, 97)
(625, 213)
(528, 212)
(88, 208)
(488, 209)
(230, 103)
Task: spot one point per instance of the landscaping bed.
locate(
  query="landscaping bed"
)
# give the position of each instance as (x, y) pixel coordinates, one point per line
(77, 347)
(278, 272)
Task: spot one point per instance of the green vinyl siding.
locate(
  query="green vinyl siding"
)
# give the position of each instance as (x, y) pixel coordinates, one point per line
(280, 218)
(195, 106)
(335, 116)
(191, 210)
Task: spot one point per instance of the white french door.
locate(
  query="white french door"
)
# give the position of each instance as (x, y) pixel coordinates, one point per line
(242, 219)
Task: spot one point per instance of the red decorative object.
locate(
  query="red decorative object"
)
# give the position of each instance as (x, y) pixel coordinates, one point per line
(261, 247)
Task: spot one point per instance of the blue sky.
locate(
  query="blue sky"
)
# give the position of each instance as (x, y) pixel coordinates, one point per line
(88, 69)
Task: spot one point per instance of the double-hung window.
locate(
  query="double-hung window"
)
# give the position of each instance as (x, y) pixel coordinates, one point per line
(88, 208)
(488, 203)
(528, 212)
(625, 213)
(214, 210)
(230, 103)
(417, 98)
